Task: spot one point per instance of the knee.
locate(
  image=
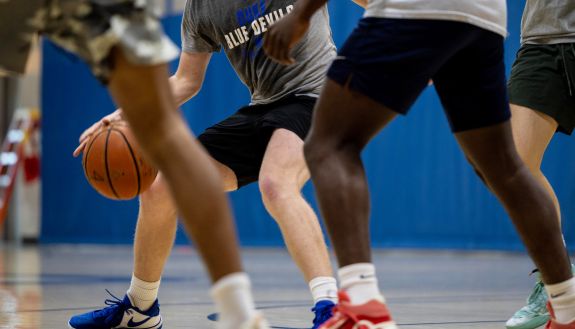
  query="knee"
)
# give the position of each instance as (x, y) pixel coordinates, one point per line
(500, 175)
(276, 190)
(157, 201)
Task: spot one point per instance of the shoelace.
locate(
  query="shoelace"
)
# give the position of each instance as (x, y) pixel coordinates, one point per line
(116, 306)
(538, 297)
(339, 314)
(537, 300)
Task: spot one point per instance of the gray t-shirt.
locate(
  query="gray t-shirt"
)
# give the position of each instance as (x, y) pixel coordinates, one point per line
(548, 22)
(239, 26)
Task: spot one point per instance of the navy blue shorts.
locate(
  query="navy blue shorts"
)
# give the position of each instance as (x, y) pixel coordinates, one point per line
(392, 60)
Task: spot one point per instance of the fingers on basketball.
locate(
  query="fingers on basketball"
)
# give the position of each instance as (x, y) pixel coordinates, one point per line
(114, 165)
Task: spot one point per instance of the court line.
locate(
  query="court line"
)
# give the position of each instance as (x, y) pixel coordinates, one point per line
(214, 317)
(55, 279)
(421, 324)
(291, 304)
(451, 322)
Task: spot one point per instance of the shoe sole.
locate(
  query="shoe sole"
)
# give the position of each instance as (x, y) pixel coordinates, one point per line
(532, 324)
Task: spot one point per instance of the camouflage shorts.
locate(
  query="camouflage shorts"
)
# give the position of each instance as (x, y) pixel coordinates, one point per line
(87, 28)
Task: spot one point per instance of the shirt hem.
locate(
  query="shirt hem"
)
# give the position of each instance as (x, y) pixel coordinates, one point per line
(439, 15)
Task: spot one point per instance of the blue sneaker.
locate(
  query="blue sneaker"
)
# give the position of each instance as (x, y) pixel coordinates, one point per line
(323, 311)
(120, 314)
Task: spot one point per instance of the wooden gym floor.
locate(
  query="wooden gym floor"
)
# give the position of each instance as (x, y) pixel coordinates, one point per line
(42, 287)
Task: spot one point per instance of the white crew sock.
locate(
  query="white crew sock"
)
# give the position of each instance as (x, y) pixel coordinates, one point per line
(323, 288)
(233, 298)
(143, 294)
(360, 283)
(562, 298)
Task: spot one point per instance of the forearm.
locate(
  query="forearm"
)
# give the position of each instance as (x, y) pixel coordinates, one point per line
(182, 89)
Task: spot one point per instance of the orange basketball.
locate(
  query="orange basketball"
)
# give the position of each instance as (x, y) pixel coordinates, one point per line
(114, 165)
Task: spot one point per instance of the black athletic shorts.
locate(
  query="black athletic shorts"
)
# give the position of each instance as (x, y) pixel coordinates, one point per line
(240, 141)
(543, 79)
(392, 60)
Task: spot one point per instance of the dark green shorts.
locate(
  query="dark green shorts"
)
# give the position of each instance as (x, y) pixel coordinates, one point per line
(543, 79)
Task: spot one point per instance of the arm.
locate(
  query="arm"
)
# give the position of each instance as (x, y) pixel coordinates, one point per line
(188, 79)
(306, 8)
(185, 84)
(283, 35)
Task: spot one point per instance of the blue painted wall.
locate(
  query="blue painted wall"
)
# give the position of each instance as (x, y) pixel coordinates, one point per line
(424, 193)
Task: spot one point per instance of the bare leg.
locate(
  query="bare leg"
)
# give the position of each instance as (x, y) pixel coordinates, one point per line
(492, 151)
(532, 132)
(155, 231)
(283, 174)
(144, 95)
(344, 123)
(157, 223)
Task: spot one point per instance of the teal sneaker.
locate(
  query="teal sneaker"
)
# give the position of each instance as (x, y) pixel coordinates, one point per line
(535, 313)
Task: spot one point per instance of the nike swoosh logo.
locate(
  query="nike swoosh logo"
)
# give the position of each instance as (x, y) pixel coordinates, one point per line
(363, 276)
(558, 295)
(132, 324)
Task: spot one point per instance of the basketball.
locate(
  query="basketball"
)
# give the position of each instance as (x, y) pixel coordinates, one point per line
(114, 165)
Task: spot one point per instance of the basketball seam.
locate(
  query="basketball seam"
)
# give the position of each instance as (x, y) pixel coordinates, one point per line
(133, 158)
(85, 162)
(106, 164)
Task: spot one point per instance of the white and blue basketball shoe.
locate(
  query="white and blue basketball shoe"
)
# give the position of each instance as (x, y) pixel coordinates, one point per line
(120, 314)
(323, 310)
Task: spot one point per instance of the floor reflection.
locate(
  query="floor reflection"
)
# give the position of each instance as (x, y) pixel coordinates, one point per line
(18, 298)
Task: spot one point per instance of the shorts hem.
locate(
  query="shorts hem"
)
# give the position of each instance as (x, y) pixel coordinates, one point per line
(348, 83)
(562, 127)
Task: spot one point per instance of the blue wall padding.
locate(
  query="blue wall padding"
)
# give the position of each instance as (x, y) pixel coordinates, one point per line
(424, 193)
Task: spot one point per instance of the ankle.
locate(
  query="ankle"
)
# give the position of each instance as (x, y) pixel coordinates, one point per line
(562, 299)
(323, 288)
(360, 283)
(143, 294)
(233, 299)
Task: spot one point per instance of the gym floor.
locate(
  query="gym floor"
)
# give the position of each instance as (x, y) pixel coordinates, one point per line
(43, 287)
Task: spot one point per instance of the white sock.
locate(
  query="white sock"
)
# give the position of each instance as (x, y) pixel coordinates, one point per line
(143, 294)
(323, 288)
(233, 298)
(562, 298)
(360, 283)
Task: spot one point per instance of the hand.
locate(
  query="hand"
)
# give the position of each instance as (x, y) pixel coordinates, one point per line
(283, 35)
(105, 121)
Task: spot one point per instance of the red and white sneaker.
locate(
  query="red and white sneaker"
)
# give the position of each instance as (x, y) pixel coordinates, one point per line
(371, 315)
(554, 325)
